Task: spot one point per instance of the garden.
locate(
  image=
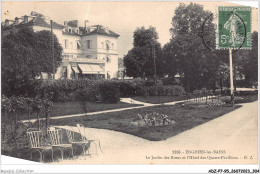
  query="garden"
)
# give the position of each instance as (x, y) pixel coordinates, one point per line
(50, 98)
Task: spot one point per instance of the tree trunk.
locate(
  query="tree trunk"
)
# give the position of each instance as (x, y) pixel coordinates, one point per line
(214, 84)
(29, 113)
(86, 110)
(221, 85)
(47, 115)
(38, 118)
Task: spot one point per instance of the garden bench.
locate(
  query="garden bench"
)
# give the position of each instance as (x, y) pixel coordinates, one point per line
(55, 136)
(82, 143)
(84, 138)
(36, 143)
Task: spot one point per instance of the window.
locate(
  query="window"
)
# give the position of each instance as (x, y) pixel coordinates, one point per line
(107, 46)
(71, 45)
(112, 46)
(102, 45)
(88, 44)
(108, 59)
(66, 43)
(70, 30)
(78, 44)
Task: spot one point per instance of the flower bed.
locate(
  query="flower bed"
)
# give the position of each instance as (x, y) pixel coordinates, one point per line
(152, 119)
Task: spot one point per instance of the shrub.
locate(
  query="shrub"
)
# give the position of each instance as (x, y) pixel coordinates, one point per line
(109, 92)
(149, 82)
(161, 90)
(62, 90)
(130, 88)
(169, 81)
(89, 90)
(89, 93)
(127, 89)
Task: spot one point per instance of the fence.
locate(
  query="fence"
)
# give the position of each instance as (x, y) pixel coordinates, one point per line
(204, 97)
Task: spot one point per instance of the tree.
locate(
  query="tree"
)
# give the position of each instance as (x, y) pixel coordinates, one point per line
(25, 55)
(139, 61)
(187, 51)
(246, 62)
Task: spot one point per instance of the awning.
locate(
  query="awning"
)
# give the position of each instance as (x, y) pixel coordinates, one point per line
(91, 69)
(75, 69)
(63, 69)
(96, 68)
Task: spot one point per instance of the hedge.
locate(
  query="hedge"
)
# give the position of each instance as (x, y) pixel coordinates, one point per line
(108, 91)
(88, 90)
(161, 90)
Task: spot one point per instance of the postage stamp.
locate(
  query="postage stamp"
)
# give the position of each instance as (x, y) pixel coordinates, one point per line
(234, 27)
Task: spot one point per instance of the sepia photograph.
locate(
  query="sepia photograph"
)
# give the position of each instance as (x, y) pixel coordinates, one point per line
(153, 83)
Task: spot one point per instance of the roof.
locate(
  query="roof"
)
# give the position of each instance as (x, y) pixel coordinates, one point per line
(69, 33)
(38, 20)
(22, 24)
(100, 30)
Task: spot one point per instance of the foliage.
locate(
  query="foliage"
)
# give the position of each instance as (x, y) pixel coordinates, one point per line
(86, 90)
(161, 90)
(62, 89)
(139, 61)
(191, 51)
(94, 90)
(152, 119)
(186, 52)
(246, 62)
(109, 92)
(13, 104)
(169, 81)
(25, 55)
(15, 144)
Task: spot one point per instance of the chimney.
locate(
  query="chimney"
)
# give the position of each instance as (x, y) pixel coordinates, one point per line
(65, 23)
(6, 22)
(3, 24)
(25, 18)
(17, 20)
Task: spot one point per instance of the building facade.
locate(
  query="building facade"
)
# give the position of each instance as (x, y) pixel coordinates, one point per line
(88, 51)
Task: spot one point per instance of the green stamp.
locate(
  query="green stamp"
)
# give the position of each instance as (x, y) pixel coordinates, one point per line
(234, 28)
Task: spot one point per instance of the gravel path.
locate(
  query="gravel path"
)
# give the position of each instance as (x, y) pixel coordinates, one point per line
(235, 133)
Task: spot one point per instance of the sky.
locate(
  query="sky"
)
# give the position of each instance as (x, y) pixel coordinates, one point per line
(121, 17)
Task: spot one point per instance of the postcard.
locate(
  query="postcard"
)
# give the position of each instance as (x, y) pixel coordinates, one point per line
(154, 83)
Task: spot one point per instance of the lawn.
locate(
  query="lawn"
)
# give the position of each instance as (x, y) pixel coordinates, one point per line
(241, 98)
(185, 116)
(69, 108)
(159, 99)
